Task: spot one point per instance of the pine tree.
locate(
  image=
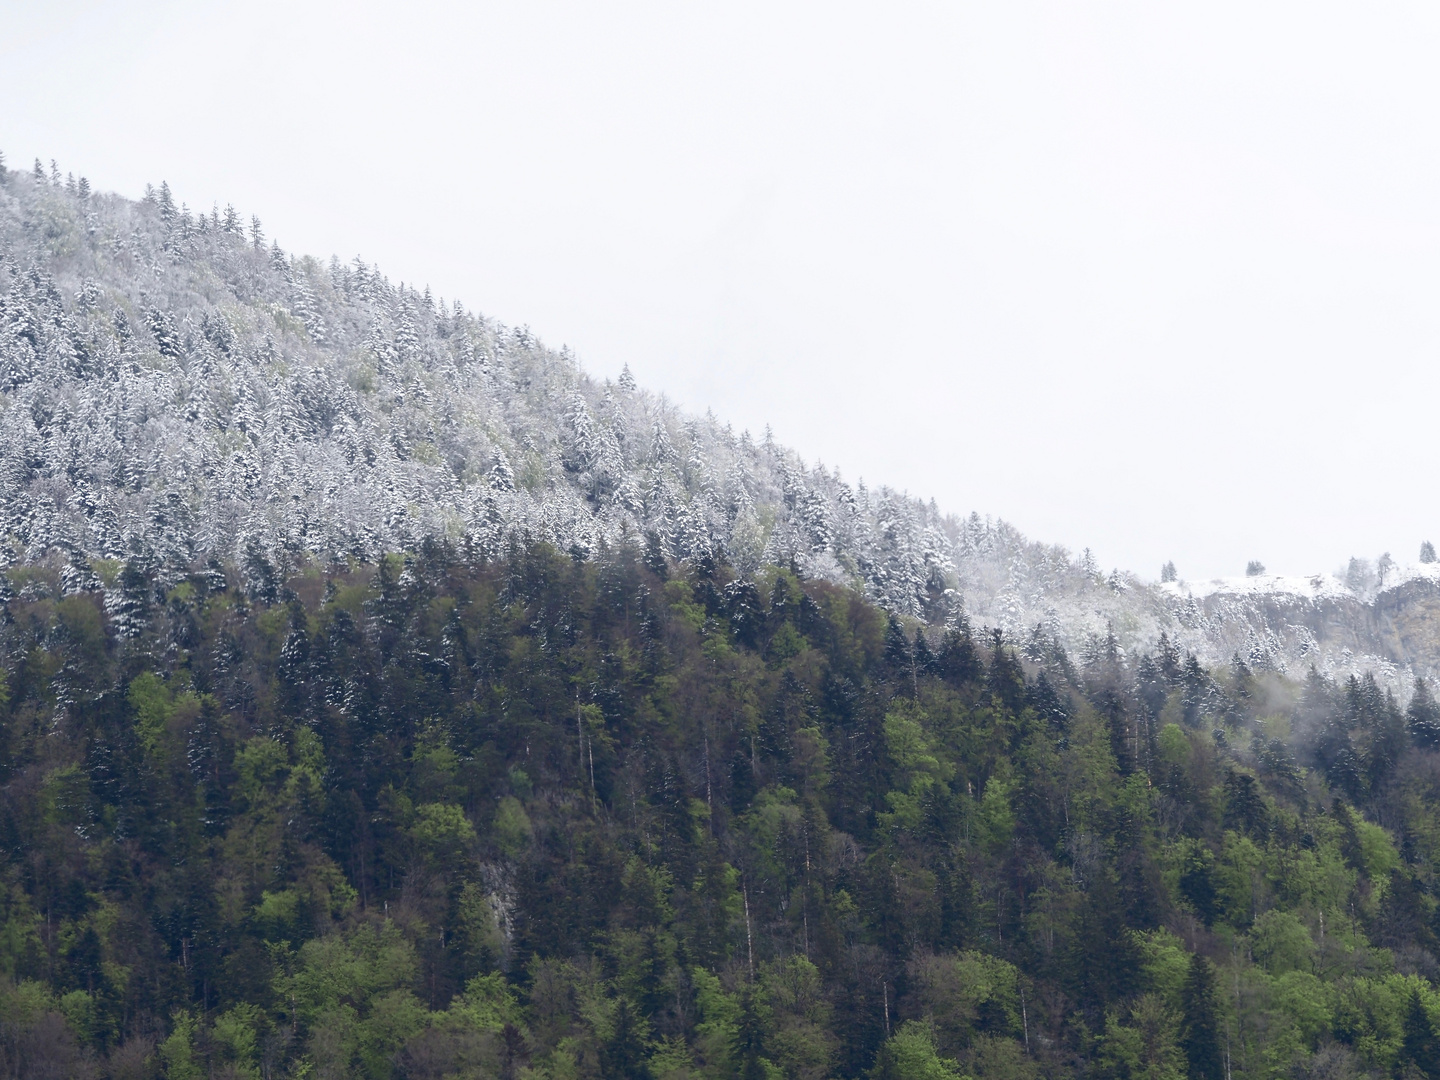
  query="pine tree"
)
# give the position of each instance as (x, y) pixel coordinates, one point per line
(655, 555)
(750, 1039)
(1418, 1039)
(1167, 572)
(1359, 574)
(924, 658)
(1423, 717)
(623, 1055)
(1427, 552)
(1200, 1025)
(502, 476)
(898, 654)
(162, 328)
(1104, 957)
(129, 605)
(1405, 913)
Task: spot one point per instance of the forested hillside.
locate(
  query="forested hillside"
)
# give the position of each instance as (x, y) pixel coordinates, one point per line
(174, 387)
(550, 817)
(178, 387)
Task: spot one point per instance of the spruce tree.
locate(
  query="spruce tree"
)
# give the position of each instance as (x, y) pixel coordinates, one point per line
(623, 1056)
(1200, 1025)
(750, 1039)
(1427, 552)
(1418, 1041)
(1104, 956)
(1423, 717)
(1405, 913)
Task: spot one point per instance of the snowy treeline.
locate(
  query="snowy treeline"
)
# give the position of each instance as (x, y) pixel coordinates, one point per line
(175, 389)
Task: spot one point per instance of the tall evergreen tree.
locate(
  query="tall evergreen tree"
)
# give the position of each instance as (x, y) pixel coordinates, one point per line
(1418, 1038)
(1423, 717)
(623, 1055)
(1200, 1023)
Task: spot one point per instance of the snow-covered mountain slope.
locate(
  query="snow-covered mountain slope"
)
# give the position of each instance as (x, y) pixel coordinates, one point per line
(173, 389)
(1391, 629)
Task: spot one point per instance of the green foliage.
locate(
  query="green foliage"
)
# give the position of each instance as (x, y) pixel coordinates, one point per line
(1200, 1023)
(511, 827)
(178, 1052)
(1280, 942)
(910, 1054)
(555, 819)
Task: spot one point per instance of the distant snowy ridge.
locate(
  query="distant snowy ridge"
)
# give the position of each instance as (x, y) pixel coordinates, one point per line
(175, 389)
(1267, 622)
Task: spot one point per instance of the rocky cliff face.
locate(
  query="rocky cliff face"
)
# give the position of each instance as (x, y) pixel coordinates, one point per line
(1395, 633)
(1406, 623)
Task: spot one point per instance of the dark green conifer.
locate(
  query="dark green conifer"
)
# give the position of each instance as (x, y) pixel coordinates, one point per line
(751, 1040)
(623, 1056)
(1405, 913)
(1418, 1040)
(1103, 956)
(1200, 1025)
(1423, 717)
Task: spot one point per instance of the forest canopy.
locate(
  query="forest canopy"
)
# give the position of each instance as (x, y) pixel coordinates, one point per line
(448, 815)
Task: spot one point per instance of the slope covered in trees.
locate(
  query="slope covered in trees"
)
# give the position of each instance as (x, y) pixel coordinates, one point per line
(174, 387)
(541, 816)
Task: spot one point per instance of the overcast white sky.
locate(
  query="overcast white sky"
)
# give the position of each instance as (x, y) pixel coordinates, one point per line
(1159, 279)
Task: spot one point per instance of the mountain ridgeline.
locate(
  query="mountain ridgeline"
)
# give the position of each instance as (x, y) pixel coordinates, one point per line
(176, 388)
(381, 697)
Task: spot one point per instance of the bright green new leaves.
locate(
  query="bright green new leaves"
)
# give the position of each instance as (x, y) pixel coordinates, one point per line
(910, 1055)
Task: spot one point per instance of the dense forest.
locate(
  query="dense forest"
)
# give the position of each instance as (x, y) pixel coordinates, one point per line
(451, 815)
(176, 387)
